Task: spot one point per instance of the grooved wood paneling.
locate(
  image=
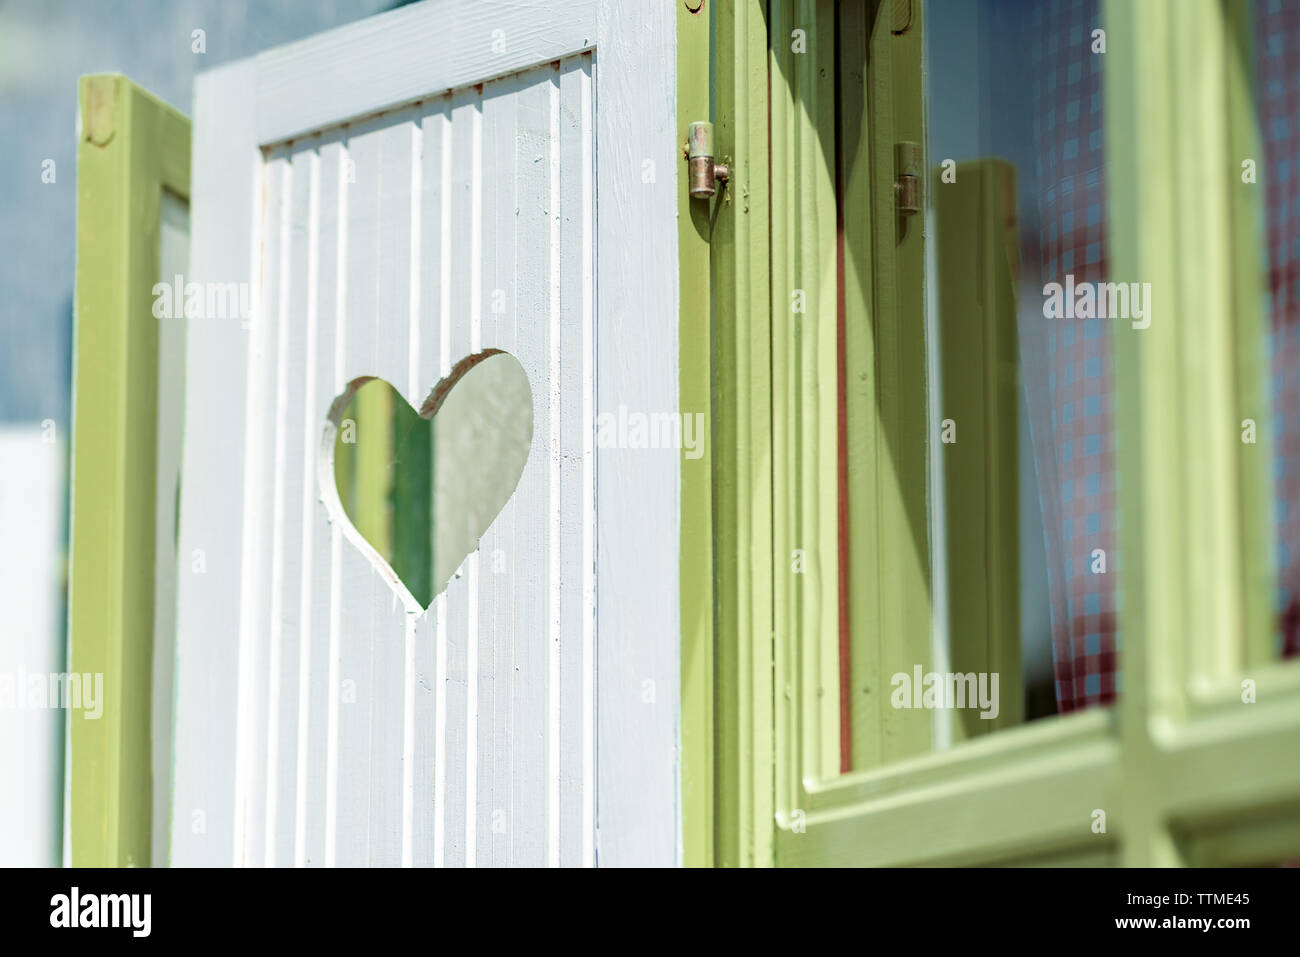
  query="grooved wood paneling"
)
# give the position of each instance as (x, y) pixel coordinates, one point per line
(401, 194)
(374, 732)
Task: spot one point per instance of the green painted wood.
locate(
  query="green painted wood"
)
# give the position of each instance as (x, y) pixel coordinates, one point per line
(345, 461)
(1204, 768)
(1183, 770)
(900, 552)
(132, 147)
(742, 496)
(868, 679)
(1195, 543)
(727, 499)
(697, 511)
(373, 473)
(1152, 533)
(805, 366)
(885, 379)
(976, 255)
(1025, 795)
(1196, 581)
(385, 480)
(415, 531)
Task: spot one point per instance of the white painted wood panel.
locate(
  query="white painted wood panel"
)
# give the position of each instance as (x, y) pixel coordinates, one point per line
(225, 204)
(427, 214)
(31, 644)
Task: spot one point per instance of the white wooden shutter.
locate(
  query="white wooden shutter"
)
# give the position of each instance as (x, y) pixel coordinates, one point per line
(376, 184)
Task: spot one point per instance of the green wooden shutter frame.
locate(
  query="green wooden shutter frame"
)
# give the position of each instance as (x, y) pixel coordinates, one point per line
(131, 148)
(805, 368)
(1183, 770)
(885, 364)
(975, 257)
(743, 422)
(696, 561)
(1022, 794)
(1208, 779)
(726, 523)
(749, 794)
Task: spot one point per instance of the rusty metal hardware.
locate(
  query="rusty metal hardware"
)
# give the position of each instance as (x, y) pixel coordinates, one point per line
(705, 174)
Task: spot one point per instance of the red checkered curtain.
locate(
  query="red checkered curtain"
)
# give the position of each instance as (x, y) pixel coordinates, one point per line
(1067, 363)
(1277, 58)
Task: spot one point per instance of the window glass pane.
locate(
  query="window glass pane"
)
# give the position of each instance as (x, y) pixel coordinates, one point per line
(1277, 92)
(1023, 320)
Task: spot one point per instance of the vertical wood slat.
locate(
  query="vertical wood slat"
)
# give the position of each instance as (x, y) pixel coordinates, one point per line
(804, 367)
(370, 693)
(259, 517)
(571, 385)
(334, 665)
(498, 316)
(433, 265)
(313, 667)
(526, 813)
(637, 598)
(426, 545)
(210, 546)
(374, 733)
(388, 828)
(463, 302)
(899, 557)
(294, 366)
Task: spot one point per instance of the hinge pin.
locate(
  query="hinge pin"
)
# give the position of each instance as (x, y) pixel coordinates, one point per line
(907, 178)
(704, 173)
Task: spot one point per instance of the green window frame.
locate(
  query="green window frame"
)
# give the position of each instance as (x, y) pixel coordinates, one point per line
(1186, 773)
(132, 147)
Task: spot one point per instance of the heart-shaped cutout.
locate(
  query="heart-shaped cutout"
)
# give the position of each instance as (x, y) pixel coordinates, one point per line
(416, 489)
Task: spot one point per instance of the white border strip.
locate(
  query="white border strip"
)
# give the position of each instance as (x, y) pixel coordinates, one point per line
(409, 54)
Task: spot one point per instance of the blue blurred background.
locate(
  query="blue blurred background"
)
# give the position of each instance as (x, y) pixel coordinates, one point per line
(45, 45)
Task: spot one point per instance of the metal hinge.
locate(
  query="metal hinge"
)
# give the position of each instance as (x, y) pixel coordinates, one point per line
(704, 173)
(907, 178)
